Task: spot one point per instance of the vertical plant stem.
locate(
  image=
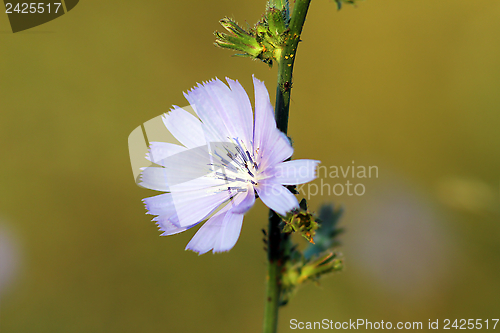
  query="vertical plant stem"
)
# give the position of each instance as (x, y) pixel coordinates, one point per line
(285, 64)
(275, 263)
(277, 240)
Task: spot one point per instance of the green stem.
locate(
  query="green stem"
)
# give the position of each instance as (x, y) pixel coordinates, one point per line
(274, 241)
(285, 64)
(277, 241)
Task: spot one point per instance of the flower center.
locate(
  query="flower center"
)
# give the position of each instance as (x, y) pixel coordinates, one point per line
(234, 163)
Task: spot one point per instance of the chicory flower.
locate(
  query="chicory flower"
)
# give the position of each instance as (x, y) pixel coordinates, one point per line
(228, 157)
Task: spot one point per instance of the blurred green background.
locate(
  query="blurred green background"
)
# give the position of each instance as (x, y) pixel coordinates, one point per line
(410, 87)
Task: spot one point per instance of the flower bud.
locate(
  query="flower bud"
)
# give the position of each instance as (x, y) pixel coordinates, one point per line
(265, 41)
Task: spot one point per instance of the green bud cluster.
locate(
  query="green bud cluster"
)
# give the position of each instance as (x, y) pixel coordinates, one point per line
(318, 258)
(265, 41)
(301, 221)
(298, 272)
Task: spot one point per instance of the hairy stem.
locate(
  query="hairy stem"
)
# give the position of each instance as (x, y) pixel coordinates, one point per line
(276, 240)
(285, 64)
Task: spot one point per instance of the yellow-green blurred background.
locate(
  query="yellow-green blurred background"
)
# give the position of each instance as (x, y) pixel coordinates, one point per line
(412, 87)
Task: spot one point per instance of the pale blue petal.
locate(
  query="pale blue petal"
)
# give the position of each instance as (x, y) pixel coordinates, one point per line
(243, 201)
(194, 206)
(159, 204)
(295, 172)
(154, 178)
(270, 144)
(244, 116)
(205, 238)
(277, 197)
(184, 209)
(184, 127)
(190, 166)
(225, 105)
(276, 150)
(229, 232)
(207, 182)
(159, 151)
(168, 228)
(219, 233)
(226, 113)
(202, 101)
(264, 116)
